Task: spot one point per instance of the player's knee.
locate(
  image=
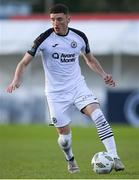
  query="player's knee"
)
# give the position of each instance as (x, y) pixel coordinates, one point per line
(90, 108)
(64, 141)
(64, 130)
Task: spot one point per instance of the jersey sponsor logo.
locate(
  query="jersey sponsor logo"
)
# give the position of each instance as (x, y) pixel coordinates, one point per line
(64, 58)
(67, 57)
(55, 55)
(74, 44)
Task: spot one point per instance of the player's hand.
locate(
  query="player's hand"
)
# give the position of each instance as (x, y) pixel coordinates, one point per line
(13, 86)
(109, 80)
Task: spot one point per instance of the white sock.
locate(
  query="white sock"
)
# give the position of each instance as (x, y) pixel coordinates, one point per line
(110, 146)
(65, 142)
(104, 131)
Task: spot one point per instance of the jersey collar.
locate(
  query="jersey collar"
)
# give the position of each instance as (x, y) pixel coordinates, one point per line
(61, 34)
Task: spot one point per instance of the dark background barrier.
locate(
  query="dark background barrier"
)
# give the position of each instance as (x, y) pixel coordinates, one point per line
(123, 106)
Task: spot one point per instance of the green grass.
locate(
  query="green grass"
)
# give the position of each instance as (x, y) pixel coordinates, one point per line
(31, 152)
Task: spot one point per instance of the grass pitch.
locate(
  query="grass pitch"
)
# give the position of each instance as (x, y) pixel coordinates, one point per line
(32, 152)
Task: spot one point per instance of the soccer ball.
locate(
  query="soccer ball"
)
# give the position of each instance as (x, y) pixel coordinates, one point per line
(102, 163)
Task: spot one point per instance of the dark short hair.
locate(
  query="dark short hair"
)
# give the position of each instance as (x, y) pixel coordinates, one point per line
(59, 8)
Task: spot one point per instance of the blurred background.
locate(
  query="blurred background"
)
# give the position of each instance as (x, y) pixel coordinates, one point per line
(112, 27)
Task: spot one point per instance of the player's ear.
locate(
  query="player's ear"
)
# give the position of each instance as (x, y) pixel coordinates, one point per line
(68, 18)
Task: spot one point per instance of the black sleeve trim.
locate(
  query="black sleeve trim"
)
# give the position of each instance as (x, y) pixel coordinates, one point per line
(83, 36)
(38, 41)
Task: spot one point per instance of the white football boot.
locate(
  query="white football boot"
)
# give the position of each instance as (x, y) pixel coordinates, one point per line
(118, 165)
(73, 166)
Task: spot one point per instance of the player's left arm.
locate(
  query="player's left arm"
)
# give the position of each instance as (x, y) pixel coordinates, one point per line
(93, 64)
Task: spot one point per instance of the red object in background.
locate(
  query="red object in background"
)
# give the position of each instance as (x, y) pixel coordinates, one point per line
(95, 16)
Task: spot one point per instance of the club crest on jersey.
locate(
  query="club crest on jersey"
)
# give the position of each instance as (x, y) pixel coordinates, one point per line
(54, 120)
(74, 44)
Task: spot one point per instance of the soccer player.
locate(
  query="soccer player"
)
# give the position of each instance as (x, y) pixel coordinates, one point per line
(65, 86)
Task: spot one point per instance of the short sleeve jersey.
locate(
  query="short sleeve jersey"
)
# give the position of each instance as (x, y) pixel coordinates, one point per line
(60, 57)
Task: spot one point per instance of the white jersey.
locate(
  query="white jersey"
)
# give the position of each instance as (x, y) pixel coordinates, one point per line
(60, 55)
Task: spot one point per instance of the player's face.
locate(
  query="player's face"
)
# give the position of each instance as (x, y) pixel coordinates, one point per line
(60, 22)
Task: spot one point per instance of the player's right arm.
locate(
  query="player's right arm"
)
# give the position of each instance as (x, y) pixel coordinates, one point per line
(19, 72)
(26, 60)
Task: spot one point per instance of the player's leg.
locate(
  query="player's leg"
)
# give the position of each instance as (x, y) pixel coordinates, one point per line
(87, 103)
(104, 131)
(65, 143)
(59, 106)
